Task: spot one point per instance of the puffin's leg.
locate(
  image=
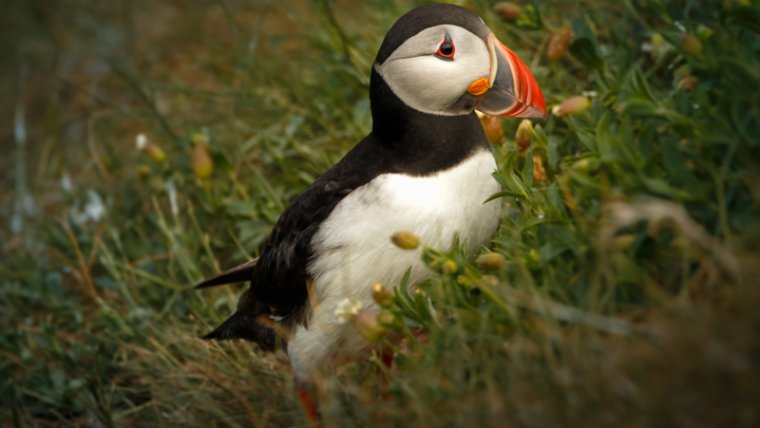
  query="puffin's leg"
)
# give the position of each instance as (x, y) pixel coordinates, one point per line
(386, 358)
(308, 399)
(386, 355)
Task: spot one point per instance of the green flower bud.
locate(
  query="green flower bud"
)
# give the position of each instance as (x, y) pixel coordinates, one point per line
(464, 281)
(690, 44)
(704, 32)
(524, 135)
(201, 162)
(389, 319)
(586, 165)
(532, 258)
(449, 267)
(199, 138)
(155, 153)
(657, 41)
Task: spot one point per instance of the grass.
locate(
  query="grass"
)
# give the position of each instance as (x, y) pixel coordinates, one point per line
(622, 287)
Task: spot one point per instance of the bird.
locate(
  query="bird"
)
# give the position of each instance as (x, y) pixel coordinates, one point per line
(426, 167)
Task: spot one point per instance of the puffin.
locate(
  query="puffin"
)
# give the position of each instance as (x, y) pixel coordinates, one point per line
(426, 167)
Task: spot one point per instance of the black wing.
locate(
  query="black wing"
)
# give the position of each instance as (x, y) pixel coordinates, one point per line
(280, 276)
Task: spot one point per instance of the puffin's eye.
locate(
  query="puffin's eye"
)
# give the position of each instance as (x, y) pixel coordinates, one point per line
(446, 49)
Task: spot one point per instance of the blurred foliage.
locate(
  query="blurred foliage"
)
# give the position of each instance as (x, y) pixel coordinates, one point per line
(619, 289)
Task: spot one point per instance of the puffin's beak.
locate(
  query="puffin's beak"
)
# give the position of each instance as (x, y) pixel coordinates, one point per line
(510, 90)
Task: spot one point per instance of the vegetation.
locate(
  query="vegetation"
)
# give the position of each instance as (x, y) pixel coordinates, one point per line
(620, 289)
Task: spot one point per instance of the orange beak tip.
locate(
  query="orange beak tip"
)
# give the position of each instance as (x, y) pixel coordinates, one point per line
(479, 87)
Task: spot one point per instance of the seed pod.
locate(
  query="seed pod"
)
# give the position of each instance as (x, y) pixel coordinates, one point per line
(406, 240)
(492, 128)
(572, 106)
(524, 135)
(688, 83)
(492, 261)
(155, 153)
(382, 296)
(201, 162)
(558, 44)
(690, 44)
(539, 172)
(507, 10)
(489, 280)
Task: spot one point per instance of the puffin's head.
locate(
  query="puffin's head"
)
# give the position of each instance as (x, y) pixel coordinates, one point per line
(444, 60)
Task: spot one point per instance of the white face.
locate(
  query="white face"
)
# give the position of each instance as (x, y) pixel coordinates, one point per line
(433, 83)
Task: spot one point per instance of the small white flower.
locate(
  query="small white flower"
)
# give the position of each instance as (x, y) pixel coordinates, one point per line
(171, 190)
(348, 309)
(66, 184)
(94, 209)
(141, 141)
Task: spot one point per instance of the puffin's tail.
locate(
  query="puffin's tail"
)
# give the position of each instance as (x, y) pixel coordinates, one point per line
(248, 327)
(240, 273)
(251, 322)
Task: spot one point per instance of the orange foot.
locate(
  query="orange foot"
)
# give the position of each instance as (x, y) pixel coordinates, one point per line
(309, 403)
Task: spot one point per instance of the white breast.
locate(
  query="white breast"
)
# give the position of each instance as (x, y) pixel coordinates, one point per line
(355, 249)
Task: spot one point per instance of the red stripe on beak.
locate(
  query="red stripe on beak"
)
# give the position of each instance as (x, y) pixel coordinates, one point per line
(529, 100)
